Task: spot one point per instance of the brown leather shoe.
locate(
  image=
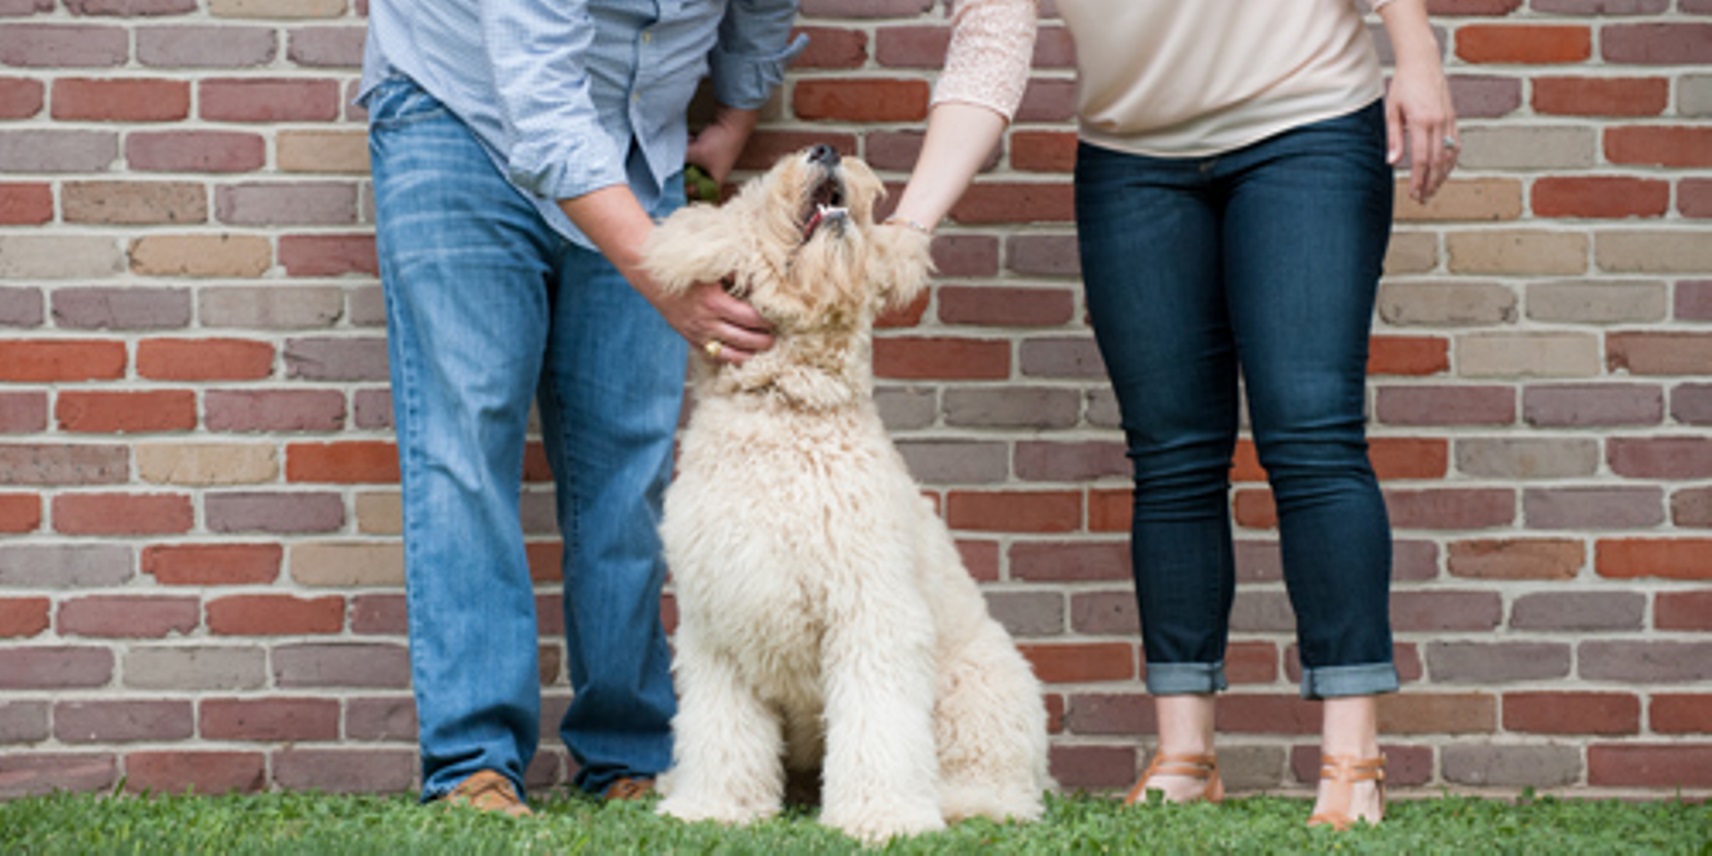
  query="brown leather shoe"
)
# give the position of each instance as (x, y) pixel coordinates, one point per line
(488, 790)
(627, 789)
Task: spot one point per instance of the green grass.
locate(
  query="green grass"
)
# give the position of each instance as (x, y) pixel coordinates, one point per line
(322, 824)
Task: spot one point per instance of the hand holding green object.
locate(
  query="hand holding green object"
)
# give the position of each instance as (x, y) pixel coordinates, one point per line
(698, 185)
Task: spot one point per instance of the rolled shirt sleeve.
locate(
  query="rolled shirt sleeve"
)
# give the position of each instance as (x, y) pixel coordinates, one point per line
(749, 60)
(537, 50)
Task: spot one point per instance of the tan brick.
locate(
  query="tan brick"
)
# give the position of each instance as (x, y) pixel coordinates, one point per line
(1527, 457)
(1528, 355)
(1694, 95)
(1473, 200)
(1448, 303)
(207, 463)
(379, 513)
(1598, 302)
(271, 307)
(345, 152)
(59, 257)
(134, 202)
(1412, 252)
(349, 563)
(277, 8)
(201, 255)
(1679, 251)
(1517, 251)
(1530, 149)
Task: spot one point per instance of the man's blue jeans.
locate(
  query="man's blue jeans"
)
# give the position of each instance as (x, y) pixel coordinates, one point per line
(488, 308)
(1260, 262)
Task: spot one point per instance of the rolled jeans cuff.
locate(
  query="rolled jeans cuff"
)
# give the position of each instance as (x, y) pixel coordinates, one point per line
(1337, 681)
(1186, 678)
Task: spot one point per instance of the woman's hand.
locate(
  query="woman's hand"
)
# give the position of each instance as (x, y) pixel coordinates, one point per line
(1419, 116)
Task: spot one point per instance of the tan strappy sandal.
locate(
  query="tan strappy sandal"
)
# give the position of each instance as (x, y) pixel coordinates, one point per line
(1344, 771)
(1201, 767)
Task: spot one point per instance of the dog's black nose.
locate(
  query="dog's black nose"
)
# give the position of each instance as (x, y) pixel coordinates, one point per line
(823, 154)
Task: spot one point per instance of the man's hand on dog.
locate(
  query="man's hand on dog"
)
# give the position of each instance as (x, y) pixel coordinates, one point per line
(706, 314)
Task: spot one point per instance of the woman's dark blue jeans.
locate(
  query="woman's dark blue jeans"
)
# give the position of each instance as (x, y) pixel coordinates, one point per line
(1260, 262)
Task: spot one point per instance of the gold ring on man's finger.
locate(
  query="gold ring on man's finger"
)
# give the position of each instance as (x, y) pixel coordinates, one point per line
(713, 348)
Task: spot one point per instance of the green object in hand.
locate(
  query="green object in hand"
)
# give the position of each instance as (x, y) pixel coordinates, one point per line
(699, 186)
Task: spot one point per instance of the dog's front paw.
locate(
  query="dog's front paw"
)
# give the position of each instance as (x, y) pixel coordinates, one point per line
(726, 812)
(877, 824)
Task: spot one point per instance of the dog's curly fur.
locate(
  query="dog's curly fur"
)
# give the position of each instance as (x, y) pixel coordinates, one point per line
(827, 621)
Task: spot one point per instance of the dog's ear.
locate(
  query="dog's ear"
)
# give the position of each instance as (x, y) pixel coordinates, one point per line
(902, 264)
(693, 245)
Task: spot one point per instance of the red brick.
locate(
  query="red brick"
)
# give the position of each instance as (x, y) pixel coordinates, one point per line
(1110, 510)
(1241, 713)
(122, 721)
(998, 306)
(1669, 766)
(274, 409)
(1572, 713)
(1060, 562)
(1043, 151)
(1094, 768)
(1409, 457)
(119, 412)
(63, 46)
(942, 358)
(1683, 610)
(1446, 405)
(1609, 197)
(1451, 508)
(23, 617)
(275, 615)
(1016, 202)
(270, 720)
(122, 514)
(1601, 96)
(1408, 355)
(128, 616)
(1694, 197)
(204, 359)
(1681, 713)
(1657, 145)
(1084, 662)
(1660, 457)
(345, 770)
(1014, 511)
(268, 100)
(911, 46)
(26, 204)
(860, 100)
(195, 151)
(766, 146)
(344, 462)
(125, 100)
(42, 774)
(832, 47)
(20, 513)
(20, 98)
(1675, 43)
(58, 360)
(38, 668)
(204, 772)
(1523, 43)
(1668, 558)
(904, 316)
(213, 564)
(328, 255)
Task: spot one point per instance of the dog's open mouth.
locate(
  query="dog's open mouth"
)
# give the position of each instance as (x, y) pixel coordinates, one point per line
(825, 204)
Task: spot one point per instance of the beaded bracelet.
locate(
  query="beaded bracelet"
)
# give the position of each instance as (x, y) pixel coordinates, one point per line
(900, 220)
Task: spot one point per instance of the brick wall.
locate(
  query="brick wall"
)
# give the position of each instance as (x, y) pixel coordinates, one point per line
(200, 571)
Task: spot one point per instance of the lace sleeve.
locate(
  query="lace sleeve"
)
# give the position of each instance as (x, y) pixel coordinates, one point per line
(987, 63)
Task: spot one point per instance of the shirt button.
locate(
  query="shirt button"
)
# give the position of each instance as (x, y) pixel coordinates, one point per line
(647, 36)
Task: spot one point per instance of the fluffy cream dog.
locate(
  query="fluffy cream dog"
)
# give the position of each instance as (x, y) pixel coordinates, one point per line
(827, 621)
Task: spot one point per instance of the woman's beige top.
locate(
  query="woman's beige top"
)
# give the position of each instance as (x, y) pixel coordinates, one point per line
(1176, 78)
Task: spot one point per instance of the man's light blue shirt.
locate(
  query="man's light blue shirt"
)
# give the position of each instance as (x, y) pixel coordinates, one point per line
(570, 96)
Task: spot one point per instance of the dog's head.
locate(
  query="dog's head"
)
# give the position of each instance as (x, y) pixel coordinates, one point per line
(799, 243)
